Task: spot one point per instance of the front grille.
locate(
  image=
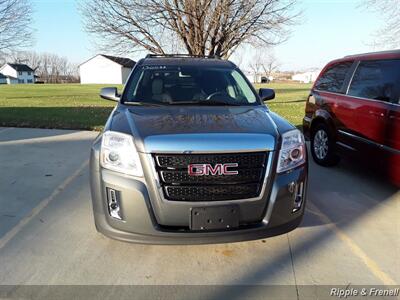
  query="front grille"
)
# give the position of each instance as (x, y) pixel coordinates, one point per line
(245, 160)
(178, 185)
(211, 192)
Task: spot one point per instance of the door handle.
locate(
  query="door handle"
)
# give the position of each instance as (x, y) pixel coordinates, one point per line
(371, 112)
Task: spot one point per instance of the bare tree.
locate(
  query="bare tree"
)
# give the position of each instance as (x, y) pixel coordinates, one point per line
(256, 67)
(389, 35)
(263, 63)
(269, 64)
(31, 58)
(57, 67)
(201, 27)
(15, 25)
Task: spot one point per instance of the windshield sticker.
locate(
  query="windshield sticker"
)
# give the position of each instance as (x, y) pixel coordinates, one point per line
(154, 67)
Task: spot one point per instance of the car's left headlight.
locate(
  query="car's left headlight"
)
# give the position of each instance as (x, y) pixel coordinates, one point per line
(118, 153)
(293, 151)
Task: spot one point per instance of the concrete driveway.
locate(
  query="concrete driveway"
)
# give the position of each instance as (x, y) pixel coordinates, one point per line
(350, 235)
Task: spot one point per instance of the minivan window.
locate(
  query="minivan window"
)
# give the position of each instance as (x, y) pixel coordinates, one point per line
(377, 80)
(333, 78)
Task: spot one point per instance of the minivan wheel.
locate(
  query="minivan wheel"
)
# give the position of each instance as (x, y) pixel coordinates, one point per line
(323, 146)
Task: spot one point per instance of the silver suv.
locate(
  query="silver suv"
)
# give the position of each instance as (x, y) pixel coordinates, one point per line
(191, 154)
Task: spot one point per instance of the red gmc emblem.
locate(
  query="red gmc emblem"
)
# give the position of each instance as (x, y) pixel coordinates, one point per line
(207, 169)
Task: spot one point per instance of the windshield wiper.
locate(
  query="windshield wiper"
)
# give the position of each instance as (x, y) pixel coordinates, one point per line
(141, 103)
(205, 102)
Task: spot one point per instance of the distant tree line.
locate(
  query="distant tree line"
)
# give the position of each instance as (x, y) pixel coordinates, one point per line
(48, 67)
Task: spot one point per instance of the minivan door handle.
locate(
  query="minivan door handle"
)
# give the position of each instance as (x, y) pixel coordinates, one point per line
(376, 114)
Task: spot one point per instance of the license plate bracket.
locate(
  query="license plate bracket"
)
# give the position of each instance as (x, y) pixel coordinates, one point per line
(214, 218)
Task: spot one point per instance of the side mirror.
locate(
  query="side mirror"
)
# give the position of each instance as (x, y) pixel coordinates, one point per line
(110, 93)
(266, 94)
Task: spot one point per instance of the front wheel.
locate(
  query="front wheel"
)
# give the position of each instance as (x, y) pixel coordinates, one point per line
(323, 146)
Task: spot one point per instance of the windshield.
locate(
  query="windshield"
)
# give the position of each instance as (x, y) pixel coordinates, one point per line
(168, 85)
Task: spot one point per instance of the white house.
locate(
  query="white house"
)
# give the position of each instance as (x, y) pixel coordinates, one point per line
(106, 69)
(306, 77)
(7, 79)
(17, 73)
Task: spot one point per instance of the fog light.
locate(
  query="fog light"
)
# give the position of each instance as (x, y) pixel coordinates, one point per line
(114, 208)
(291, 187)
(112, 156)
(296, 189)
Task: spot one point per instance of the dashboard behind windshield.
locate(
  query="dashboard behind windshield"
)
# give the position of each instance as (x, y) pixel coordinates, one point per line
(188, 85)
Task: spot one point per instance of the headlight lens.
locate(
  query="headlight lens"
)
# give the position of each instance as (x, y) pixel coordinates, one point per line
(118, 153)
(292, 153)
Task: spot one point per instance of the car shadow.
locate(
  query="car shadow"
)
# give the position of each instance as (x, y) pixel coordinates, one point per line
(352, 183)
(345, 194)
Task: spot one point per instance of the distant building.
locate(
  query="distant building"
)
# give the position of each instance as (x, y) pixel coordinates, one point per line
(7, 79)
(282, 76)
(306, 77)
(260, 77)
(106, 69)
(16, 74)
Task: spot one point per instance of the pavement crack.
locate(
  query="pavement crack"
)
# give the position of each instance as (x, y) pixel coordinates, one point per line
(294, 272)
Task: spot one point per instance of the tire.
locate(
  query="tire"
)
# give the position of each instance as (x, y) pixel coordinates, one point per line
(323, 146)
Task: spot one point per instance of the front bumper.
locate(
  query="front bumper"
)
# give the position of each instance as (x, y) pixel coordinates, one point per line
(141, 224)
(307, 127)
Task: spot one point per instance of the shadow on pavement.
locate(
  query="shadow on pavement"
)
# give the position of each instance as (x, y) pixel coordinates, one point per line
(350, 182)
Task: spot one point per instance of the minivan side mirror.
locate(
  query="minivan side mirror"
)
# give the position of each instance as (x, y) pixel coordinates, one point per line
(110, 93)
(266, 94)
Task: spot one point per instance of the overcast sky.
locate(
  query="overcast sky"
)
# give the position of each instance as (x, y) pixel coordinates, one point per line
(329, 29)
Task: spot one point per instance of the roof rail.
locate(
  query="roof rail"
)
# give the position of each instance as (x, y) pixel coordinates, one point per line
(395, 51)
(181, 55)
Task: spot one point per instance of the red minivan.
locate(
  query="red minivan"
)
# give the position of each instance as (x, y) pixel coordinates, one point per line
(354, 107)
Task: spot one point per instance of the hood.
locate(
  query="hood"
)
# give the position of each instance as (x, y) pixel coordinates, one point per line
(194, 128)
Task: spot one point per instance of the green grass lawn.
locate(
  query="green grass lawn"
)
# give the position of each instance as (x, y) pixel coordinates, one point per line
(76, 106)
(290, 100)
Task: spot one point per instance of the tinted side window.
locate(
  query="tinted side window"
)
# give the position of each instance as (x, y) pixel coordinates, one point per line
(378, 80)
(333, 78)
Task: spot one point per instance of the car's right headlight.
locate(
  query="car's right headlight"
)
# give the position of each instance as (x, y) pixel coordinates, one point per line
(118, 153)
(293, 151)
